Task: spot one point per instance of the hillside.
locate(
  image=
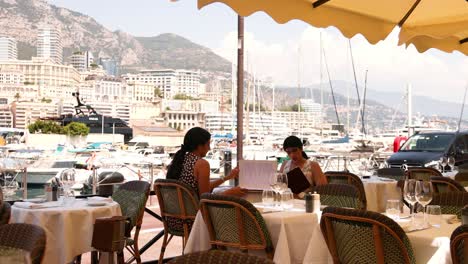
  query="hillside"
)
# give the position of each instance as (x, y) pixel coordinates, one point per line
(21, 18)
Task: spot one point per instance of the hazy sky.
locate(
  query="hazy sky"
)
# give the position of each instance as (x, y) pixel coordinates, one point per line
(273, 49)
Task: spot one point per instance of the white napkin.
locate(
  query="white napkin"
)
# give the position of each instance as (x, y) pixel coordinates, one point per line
(100, 199)
(29, 205)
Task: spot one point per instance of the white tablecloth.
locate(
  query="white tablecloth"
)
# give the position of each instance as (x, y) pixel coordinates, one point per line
(431, 246)
(69, 230)
(290, 233)
(378, 192)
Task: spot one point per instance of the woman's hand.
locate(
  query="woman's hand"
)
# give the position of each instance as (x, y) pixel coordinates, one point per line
(235, 191)
(234, 174)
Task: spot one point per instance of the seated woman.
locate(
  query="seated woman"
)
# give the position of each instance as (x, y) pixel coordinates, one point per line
(189, 167)
(298, 159)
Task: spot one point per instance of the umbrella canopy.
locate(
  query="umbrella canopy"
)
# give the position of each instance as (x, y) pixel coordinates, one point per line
(426, 24)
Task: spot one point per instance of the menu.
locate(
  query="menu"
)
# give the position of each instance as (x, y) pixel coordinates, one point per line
(256, 174)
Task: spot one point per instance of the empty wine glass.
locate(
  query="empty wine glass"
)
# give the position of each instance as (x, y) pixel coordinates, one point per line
(424, 193)
(409, 194)
(451, 163)
(281, 182)
(268, 197)
(443, 163)
(287, 199)
(393, 209)
(67, 178)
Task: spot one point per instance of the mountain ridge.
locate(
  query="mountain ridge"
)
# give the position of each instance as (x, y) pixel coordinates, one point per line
(21, 18)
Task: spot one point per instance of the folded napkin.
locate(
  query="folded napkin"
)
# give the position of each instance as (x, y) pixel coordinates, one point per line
(29, 205)
(100, 199)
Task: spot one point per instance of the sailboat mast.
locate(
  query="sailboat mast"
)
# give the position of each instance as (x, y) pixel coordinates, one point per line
(321, 80)
(364, 105)
(410, 110)
(273, 106)
(331, 87)
(253, 103)
(299, 86)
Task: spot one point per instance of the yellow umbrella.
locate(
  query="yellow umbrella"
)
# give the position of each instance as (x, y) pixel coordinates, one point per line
(440, 24)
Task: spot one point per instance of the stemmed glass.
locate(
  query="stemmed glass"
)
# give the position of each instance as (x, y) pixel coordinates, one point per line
(67, 178)
(451, 163)
(424, 193)
(409, 194)
(443, 163)
(279, 184)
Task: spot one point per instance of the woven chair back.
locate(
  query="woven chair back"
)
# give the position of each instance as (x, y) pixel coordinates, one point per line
(234, 222)
(355, 235)
(343, 177)
(459, 245)
(176, 201)
(30, 238)
(339, 195)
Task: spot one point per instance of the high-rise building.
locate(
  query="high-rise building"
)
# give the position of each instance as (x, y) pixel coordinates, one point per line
(81, 60)
(49, 44)
(310, 106)
(51, 80)
(8, 48)
(110, 66)
(171, 82)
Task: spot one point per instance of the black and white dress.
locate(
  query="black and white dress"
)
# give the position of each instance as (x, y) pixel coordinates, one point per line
(188, 177)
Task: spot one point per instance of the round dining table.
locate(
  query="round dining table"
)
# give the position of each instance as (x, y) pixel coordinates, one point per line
(69, 229)
(378, 191)
(297, 238)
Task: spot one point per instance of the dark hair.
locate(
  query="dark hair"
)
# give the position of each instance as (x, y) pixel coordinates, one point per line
(193, 138)
(294, 142)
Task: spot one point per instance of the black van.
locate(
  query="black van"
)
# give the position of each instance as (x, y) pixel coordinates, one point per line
(426, 149)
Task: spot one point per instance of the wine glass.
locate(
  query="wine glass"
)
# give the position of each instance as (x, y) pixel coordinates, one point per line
(268, 198)
(409, 194)
(424, 193)
(451, 162)
(67, 178)
(287, 199)
(282, 182)
(443, 163)
(276, 188)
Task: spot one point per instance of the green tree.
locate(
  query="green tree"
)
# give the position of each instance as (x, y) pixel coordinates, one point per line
(182, 96)
(76, 129)
(45, 127)
(158, 92)
(46, 100)
(17, 96)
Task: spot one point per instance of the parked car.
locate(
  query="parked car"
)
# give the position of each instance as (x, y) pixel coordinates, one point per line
(426, 149)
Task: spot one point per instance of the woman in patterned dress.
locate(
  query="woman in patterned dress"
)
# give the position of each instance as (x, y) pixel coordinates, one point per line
(189, 166)
(298, 159)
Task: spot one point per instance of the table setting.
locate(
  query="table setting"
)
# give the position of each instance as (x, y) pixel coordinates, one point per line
(68, 223)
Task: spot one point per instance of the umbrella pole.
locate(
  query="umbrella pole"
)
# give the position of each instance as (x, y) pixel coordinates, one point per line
(240, 90)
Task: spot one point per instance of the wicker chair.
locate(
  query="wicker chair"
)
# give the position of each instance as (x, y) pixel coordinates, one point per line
(462, 178)
(354, 236)
(5, 213)
(132, 197)
(339, 195)
(343, 177)
(234, 222)
(30, 238)
(178, 202)
(451, 202)
(391, 173)
(444, 184)
(459, 245)
(424, 174)
(219, 256)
